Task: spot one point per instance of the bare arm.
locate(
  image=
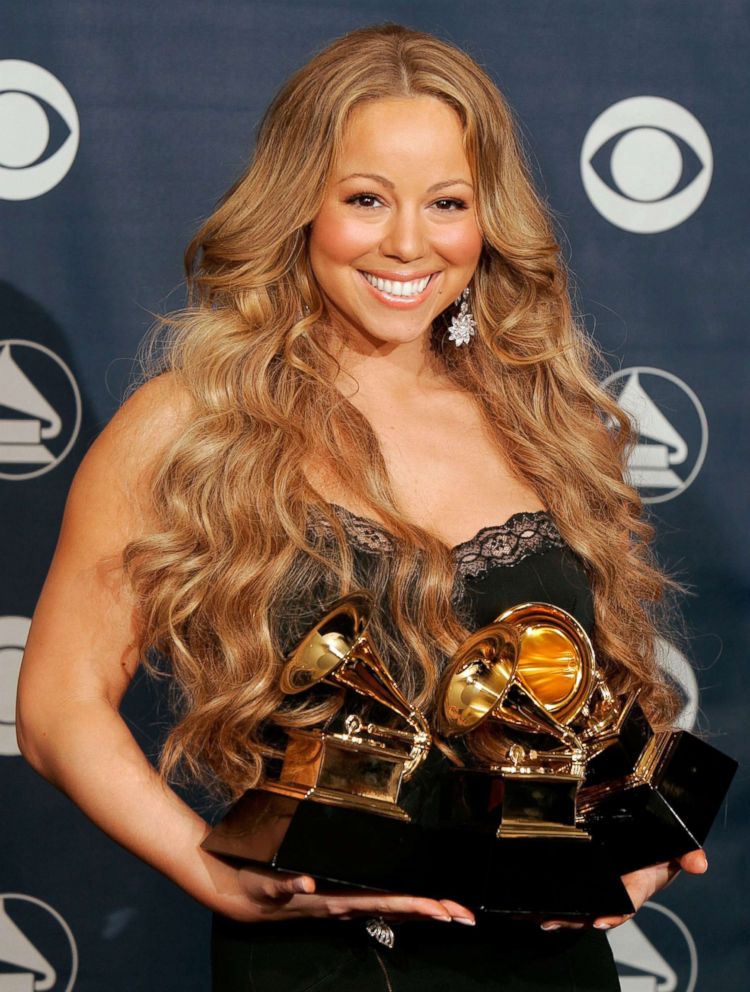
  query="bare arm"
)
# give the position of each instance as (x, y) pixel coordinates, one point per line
(79, 660)
(80, 657)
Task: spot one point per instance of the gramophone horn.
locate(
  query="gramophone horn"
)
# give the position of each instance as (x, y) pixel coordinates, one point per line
(328, 645)
(338, 650)
(478, 678)
(482, 680)
(556, 661)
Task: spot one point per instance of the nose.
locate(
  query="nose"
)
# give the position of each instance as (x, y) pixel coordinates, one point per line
(404, 237)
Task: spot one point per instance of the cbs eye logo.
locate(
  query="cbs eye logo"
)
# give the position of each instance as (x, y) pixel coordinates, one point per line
(39, 130)
(646, 164)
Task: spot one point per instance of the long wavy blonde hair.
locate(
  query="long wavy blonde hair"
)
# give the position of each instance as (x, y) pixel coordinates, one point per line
(222, 584)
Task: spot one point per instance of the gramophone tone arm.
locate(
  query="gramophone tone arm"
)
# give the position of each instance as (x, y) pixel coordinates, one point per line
(420, 741)
(571, 737)
(540, 722)
(421, 744)
(612, 714)
(375, 730)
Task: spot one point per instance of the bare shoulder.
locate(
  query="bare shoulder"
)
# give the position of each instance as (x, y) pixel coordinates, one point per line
(117, 466)
(109, 500)
(153, 416)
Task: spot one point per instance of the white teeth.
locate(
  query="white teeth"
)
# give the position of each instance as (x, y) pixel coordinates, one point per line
(395, 288)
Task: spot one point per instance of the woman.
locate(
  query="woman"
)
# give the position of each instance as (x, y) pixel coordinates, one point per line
(379, 383)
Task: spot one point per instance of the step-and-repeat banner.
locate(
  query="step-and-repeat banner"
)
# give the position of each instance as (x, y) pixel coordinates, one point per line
(120, 126)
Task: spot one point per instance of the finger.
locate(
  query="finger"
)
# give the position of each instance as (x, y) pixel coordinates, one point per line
(608, 922)
(387, 917)
(562, 925)
(385, 904)
(459, 913)
(694, 862)
(280, 890)
(641, 885)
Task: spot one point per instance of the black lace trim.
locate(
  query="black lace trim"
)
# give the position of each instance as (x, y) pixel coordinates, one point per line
(365, 534)
(523, 534)
(507, 544)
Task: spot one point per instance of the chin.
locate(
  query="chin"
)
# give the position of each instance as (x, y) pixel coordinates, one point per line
(405, 336)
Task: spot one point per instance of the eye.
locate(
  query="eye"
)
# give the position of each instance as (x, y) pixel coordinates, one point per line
(366, 200)
(39, 130)
(448, 205)
(646, 164)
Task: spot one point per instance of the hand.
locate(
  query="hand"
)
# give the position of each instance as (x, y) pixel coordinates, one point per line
(641, 885)
(270, 896)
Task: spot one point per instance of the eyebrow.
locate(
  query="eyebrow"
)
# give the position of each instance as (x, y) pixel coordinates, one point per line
(390, 185)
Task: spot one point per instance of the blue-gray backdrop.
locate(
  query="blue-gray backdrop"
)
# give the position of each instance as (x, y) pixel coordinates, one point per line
(120, 126)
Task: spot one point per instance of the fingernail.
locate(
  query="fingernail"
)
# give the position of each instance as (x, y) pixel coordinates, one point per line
(467, 922)
(550, 926)
(300, 885)
(443, 919)
(603, 926)
(705, 862)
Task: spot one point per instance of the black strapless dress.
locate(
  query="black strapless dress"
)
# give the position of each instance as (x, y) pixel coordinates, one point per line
(523, 559)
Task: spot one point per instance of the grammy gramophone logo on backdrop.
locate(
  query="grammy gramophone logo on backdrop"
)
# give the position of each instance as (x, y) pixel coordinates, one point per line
(655, 952)
(38, 952)
(14, 632)
(675, 664)
(673, 430)
(40, 409)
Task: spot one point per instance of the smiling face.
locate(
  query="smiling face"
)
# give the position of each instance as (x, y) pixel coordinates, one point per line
(396, 239)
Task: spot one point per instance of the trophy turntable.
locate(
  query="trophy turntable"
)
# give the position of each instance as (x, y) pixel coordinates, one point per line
(529, 678)
(578, 763)
(334, 810)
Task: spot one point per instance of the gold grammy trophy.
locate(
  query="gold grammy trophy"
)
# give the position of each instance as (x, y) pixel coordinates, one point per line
(363, 767)
(530, 680)
(647, 796)
(650, 797)
(334, 810)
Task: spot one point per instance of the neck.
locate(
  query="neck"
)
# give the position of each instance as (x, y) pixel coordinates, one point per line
(386, 368)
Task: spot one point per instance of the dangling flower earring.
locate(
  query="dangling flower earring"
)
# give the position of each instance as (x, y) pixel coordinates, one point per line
(462, 325)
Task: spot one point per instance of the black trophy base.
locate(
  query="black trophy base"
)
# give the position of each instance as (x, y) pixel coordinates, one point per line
(334, 843)
(539, 878)
(535, 878)
(666, 808)
(553, 870)
(545, 878)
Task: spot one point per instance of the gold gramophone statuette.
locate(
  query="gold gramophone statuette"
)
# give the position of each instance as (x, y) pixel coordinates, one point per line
(527, 685)
(334, 811)
(485, 681)
(363, 766)
(647, 796)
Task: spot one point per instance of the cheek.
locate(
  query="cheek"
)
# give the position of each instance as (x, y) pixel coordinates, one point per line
(339, 239)
(461, 243)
